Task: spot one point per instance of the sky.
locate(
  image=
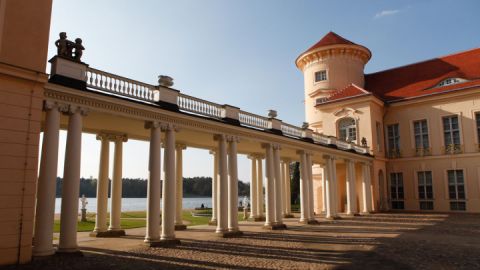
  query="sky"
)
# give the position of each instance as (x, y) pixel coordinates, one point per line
(242, 53)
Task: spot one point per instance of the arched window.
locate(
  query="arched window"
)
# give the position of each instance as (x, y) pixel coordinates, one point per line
(347, 129)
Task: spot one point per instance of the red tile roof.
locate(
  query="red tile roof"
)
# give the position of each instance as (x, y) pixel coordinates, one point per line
(330, 39)
(350, 91)
(420, 79)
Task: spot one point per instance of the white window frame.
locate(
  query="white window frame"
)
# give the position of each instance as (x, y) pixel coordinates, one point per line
(460, 129)
(476, 127)
(315, 76)
(378, 134)
(414, 142)
(387, 142)
(418, 186)
(356, 128)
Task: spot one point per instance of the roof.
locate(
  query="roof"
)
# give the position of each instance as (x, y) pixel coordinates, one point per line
(350, 91)
(330, 39)
(420, 79)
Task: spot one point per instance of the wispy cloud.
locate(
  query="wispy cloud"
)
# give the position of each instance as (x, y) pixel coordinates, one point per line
(384, 13)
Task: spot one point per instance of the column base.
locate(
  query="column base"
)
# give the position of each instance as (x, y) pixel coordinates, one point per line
(212, 223)
(333, 217)
(117, 233)
(163, 243)
(229, 234)
(288, 216)
(73, 252)
(352, 214)
(180, 227)
(260, 218)
(44, 253)
(313, 222)
(365, 213)
(275, 227)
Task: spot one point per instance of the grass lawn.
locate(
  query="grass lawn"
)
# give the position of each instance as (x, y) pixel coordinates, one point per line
(136, 219)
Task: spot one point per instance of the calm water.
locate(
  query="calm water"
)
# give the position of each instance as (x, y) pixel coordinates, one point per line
(139, 204)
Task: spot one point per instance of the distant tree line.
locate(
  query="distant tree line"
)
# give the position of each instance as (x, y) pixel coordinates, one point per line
(137, 187)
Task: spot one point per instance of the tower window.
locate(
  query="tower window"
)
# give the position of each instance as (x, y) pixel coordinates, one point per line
(320, 76)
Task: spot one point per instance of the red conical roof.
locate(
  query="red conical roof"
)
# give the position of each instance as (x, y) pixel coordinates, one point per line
(331, 39)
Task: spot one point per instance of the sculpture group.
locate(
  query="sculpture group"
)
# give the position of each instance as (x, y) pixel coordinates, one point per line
(69, 49)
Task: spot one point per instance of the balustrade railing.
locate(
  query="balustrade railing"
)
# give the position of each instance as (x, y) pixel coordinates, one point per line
(253, 120)
(199, 106)
(291, 130)
(122, 86)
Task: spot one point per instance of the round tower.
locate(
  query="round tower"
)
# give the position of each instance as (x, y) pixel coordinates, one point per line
(331, 64)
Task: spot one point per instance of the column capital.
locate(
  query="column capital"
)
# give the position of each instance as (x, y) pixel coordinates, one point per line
(119, 137)
(286, 160)
(276, 146)
(180, 146)
(232, 138)
(266, 145)
(367, 163)
(52, 105)
(255, 156)
(152, 124)
(72, 109)
(169, 127)
(301, 152)
(332, 157)
(219, 137)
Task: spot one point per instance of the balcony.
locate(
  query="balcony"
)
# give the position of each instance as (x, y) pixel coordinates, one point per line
(453, 149)
(394, 153)
(421, 152)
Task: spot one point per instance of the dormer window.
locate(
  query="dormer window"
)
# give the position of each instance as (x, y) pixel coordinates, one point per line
(320, 76)
(450, 81)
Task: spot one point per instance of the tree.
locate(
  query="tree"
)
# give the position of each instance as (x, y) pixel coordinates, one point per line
(295, 182)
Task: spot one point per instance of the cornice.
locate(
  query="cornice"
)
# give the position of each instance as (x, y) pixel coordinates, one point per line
(334, 50)
(148, 113)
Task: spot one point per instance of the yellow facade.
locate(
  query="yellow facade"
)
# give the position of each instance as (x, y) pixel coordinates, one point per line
(372, 116)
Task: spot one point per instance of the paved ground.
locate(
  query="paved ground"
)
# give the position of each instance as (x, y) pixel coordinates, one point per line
(378, 241)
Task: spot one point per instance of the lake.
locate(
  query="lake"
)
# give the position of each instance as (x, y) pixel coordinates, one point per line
(139, 204)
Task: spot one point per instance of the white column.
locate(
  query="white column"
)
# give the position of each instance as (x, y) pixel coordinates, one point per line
(45, 207)
(311, 215)
(179, 183)
(214, 187)
(222, 185)
(102, 185)
(168, 190)
(253, 188)
(351, 198)
(366, 188)
(324, 191)
(331, 182)
(260, 198)
(269, 186)
(153, 188)
(71, 182)
(232, 184)
(116, 194)
(288, 192)
(278, 185)
(304, 209)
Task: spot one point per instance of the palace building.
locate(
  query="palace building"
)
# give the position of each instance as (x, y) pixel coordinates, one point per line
(421, 122)
(401, 139)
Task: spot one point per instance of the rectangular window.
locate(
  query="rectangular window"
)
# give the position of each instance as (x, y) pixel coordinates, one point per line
(420, 131)
(396, 190)
(320, 76)
(379, 136)
(451, 131)
(477, 118)
(425, 190)
(393, 135)
(456, 190)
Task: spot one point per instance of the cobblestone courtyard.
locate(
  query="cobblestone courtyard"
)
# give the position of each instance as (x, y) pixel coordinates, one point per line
(378, 241)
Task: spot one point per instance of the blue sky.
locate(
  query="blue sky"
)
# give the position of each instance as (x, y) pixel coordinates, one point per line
(242, 52)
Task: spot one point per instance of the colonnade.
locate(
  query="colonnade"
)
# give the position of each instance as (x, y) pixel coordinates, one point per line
(277, 198)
